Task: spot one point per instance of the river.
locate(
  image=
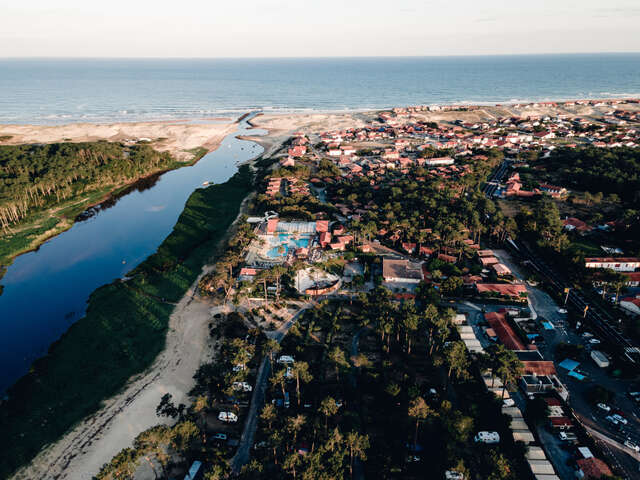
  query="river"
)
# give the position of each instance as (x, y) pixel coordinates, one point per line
(47, 290)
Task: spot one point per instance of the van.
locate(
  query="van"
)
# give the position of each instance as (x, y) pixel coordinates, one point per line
(487, 437)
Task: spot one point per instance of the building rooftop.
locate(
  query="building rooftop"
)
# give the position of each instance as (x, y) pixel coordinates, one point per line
(401, 269)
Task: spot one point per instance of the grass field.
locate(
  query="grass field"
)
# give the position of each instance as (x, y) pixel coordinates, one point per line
(122, 333)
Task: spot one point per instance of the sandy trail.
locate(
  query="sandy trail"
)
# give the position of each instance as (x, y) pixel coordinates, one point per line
(80, 454)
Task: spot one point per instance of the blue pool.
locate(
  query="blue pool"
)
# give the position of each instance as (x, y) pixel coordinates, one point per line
(281, 244)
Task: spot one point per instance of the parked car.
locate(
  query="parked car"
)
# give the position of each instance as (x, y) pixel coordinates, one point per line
(594, 341)
(612, 420)
(567, 436)
(587, 335)
(562, 310)
(286, 359)
(620, 418)
(220, 436)
(604, 406)
(508, 402)
(453, 475)
(631, 445)
(244, 386)
(239, 367)
(228, 417)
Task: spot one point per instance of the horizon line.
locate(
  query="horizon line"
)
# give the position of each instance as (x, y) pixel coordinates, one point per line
(324, 57)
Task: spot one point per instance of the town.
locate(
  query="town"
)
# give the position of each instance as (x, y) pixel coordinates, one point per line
(409, 295)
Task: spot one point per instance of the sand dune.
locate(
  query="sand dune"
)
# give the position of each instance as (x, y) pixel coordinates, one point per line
(175, 138)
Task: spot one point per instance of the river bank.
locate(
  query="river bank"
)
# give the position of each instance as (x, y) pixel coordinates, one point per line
(124, 330)
(186, 143)
(39, 227)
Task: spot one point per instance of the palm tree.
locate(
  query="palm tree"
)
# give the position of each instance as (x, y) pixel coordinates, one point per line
(357, 445)
(328, 407)
(339, 359)
(280, 379)
(273, 347)
(510, 369)
(291, 462)
(420, 411)
(301, 371)
(294, 425)
(268, 414)
(458, 360)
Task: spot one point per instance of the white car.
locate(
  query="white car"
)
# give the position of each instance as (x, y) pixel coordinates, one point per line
(453, 475)
(612, 420)
(287, 359)
(288, 374)
(594, 341)
(567, 436)
(562, 310)
(604, 406)
(239, 367)
(620, 418)
(631, 445)
(587, 335)
(508, 402)
(228, 417)
(244, 386)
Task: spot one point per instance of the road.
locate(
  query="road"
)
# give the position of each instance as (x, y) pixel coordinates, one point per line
(242, 455)
(592, 418)
(600, 321)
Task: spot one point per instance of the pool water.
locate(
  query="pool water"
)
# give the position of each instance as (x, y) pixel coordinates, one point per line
(287, 242)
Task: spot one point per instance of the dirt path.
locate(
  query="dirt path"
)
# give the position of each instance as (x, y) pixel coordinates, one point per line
(81, 453)
(257, 399)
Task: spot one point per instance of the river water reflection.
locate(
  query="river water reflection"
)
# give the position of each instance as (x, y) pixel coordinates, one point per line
(46, 291)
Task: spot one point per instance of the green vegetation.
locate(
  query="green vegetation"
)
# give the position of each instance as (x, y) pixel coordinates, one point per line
(409, 399)
(43, 188)
(122, 333)
(611, 171)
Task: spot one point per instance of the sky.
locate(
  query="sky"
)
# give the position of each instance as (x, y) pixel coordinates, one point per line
(315, 28)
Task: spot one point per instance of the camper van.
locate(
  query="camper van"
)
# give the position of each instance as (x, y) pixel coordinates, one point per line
(487, 437)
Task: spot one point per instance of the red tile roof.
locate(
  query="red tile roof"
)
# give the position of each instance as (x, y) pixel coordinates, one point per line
(504, 331)
(594, 468)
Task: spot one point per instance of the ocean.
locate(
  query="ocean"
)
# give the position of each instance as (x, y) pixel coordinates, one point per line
(51, 91)
(66, 269)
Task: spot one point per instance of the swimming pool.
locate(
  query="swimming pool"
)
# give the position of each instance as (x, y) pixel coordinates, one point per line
(282, 243)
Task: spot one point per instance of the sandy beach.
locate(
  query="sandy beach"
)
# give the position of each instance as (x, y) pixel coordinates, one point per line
(175, 138)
